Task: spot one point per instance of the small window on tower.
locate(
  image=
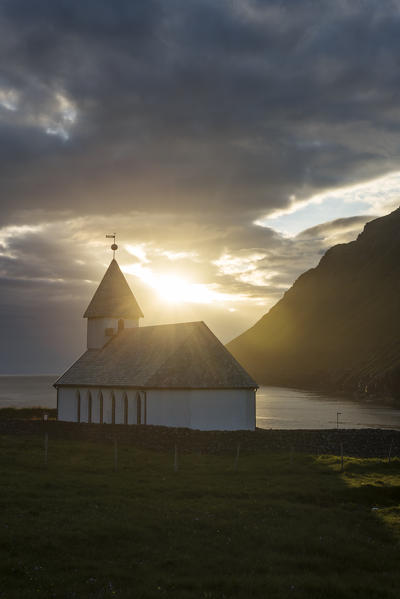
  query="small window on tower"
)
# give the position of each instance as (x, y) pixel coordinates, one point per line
(121, 325)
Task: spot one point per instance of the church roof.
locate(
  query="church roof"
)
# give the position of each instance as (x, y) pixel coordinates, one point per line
(185, 355)
(113, 297)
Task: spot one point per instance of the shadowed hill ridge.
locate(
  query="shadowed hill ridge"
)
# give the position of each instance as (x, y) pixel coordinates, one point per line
(338, 326)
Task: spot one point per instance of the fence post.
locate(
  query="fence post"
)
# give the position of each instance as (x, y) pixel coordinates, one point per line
(390, 450)
(46, 439)
(176, 465)
(237, 456)
(115, 455)
(46, 445)
(341, 457)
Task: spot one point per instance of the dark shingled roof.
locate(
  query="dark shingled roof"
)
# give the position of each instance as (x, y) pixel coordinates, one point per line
(186, 355)
(113, 297)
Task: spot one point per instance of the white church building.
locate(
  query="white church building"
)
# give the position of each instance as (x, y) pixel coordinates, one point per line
(176, 375)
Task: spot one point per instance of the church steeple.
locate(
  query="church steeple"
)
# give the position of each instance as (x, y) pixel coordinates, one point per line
(112, 308)
(113, 297)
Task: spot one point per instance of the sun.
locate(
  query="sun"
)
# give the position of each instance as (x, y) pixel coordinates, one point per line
(176, 290)
(172, 288)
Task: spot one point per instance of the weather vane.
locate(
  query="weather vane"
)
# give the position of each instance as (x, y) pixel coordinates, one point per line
(114, 246)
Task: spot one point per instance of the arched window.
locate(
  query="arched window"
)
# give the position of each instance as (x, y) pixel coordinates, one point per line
(121, 325)
(89, 407)
(78, 406)
(138, 409)
(125, 408)
(112, 408)
(101, 407)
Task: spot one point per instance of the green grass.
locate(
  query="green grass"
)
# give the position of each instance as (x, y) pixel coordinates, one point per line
(276, 527)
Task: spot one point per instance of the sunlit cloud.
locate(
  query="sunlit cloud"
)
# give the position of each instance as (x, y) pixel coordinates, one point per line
(7, 234)
(260, 278)
(246, 269)
(58, 130)
(334, 232)
(56, 115)
(375, 197)
(67, 109)
(142, 251)
(9, 99)
(231, 265)
(138, 251)
(64, 117)
(174, 289)
(178, 255)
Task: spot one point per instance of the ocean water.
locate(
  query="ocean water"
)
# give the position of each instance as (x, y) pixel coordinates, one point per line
(27, 391)
(282, 408)
(277, 407)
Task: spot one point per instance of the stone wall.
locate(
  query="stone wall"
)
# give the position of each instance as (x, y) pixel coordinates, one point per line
(369, 443)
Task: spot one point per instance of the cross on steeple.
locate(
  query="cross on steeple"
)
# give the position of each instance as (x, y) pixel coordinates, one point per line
(114, 246)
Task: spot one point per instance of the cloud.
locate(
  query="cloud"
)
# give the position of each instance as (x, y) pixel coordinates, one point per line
(228, 277)
(180, 126)
(197, 106)
(376, 197)
(341, 230)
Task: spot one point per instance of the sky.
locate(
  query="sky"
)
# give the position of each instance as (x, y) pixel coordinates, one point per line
(228, 144)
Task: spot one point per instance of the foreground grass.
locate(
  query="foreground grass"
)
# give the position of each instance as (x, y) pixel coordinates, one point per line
(278, 526)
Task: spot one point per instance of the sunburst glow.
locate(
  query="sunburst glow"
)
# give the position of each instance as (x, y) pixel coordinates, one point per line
(175, 289)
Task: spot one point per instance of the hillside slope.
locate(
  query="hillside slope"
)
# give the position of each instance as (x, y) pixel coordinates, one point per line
(338, 326)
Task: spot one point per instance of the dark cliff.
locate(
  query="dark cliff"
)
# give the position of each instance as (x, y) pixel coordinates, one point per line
(338, 326)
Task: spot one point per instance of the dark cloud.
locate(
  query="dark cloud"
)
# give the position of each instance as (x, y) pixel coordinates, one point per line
(190, 105)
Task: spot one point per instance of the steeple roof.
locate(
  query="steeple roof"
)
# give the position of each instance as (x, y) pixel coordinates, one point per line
(113, 297)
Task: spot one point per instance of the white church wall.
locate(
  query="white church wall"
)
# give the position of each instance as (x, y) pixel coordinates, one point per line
(131, 407)
(133, 397)
(107, 407)
(84, 406)
(225, 409)
(197, 409)
(95, 406)
(67, 404)
(96, 330)
(202, 409)
(119, 407)
(168, 407)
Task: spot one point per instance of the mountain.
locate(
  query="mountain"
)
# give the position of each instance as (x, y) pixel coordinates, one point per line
(338, 326)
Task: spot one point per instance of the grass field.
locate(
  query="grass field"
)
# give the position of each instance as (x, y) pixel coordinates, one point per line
(277, 526)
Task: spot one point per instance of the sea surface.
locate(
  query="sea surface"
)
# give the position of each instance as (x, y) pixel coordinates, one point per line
(280, 407)
(27, 391)
(277, 407)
